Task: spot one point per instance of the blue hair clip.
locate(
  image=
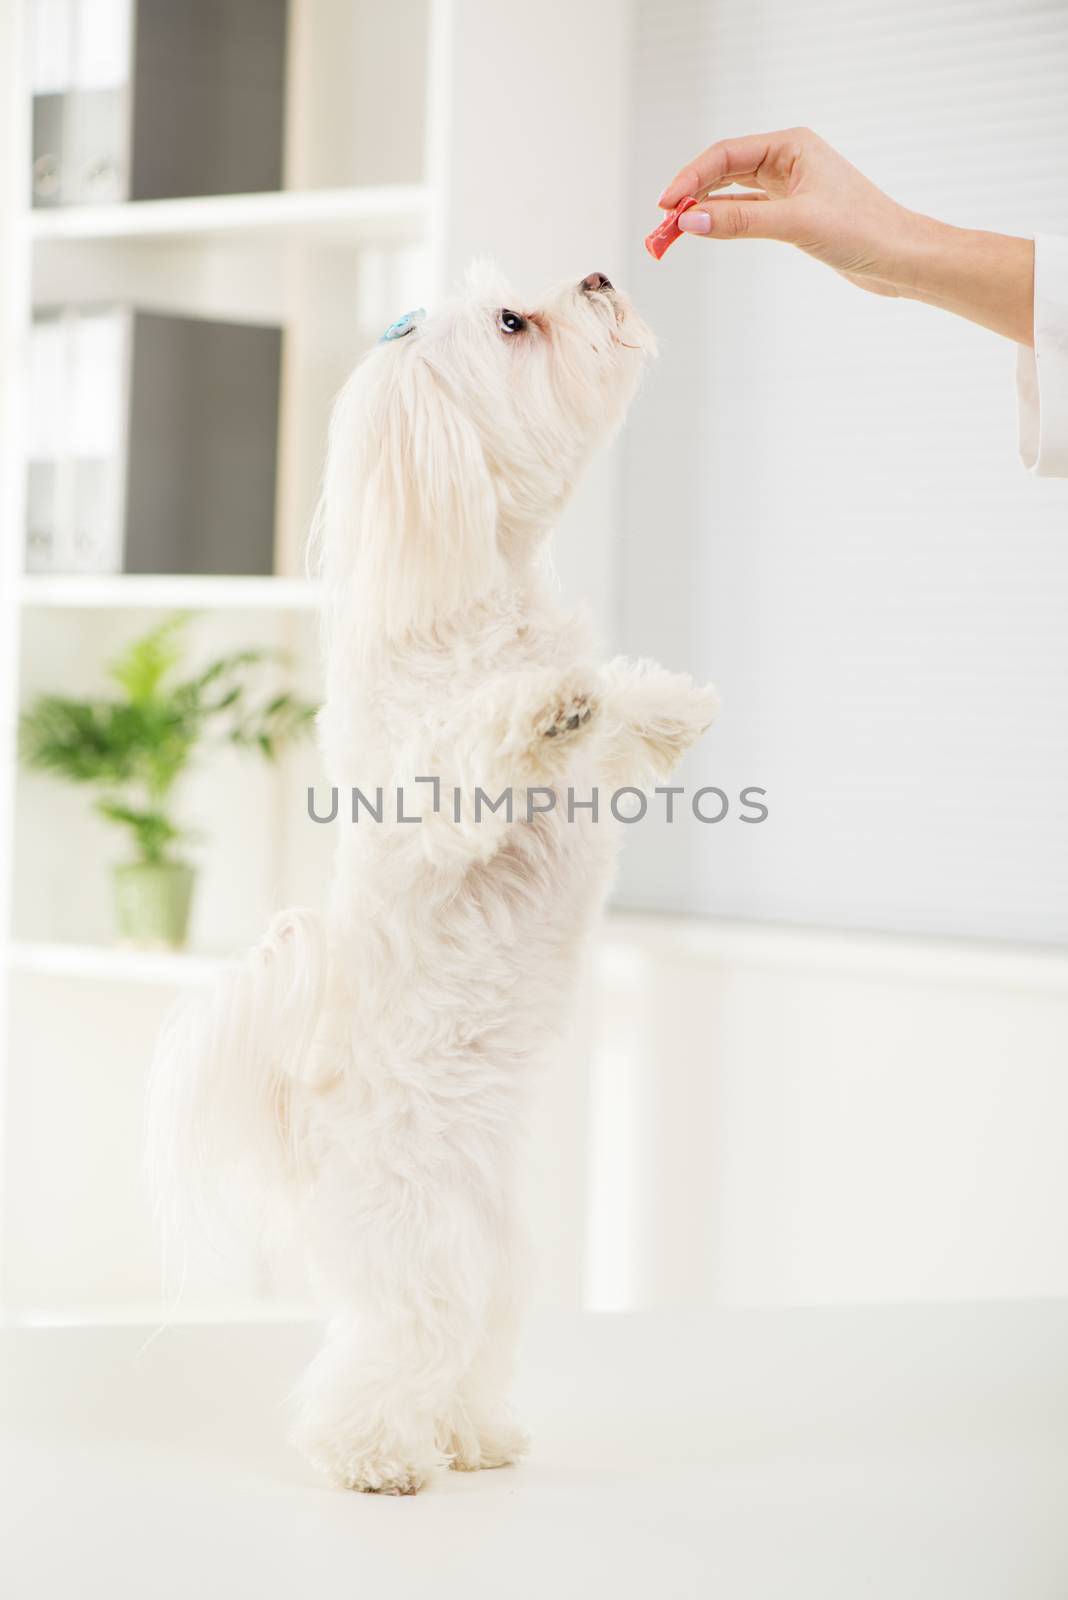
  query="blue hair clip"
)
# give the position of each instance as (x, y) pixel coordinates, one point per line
(403, 325)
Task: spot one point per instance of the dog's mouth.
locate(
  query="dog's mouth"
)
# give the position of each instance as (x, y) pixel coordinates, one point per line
(600, 293)
(621, 318)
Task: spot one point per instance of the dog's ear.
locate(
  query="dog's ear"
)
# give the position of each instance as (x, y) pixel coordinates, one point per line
(408, 522)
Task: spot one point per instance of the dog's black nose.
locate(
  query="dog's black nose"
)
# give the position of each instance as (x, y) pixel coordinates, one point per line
(595, 280)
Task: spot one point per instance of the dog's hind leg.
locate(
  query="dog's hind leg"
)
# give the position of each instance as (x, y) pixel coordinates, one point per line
(410, 1288)
(485, 1432)
(368, 1403)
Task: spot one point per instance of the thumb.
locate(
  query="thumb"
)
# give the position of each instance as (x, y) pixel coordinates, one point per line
(742, 216)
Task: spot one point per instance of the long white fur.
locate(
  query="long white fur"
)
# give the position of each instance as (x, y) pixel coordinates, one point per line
(371, 1070)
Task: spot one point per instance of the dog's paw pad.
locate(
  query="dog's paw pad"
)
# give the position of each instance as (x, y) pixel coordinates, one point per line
(566, 716)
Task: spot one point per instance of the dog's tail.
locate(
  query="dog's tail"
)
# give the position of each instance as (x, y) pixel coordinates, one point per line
(222, 1141)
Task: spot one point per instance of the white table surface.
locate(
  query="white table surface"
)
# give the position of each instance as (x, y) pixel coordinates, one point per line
(838, 1454)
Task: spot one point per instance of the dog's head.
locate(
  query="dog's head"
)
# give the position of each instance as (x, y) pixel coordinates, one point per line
(457, 440)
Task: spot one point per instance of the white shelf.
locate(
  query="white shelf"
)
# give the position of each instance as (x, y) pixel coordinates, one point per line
(134, 592)
(113, 963)
(387, 211)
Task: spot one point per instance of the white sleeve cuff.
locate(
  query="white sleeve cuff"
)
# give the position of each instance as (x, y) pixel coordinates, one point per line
(1042, 373)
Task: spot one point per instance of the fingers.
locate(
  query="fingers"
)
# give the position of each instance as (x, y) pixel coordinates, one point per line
(725, 162)
(737, 216)
(735, 161)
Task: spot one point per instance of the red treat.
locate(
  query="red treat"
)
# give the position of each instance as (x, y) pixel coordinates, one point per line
(665, 233)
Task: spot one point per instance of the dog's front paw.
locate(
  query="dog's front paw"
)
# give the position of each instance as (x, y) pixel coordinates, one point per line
(550, 720)
(697, 710)
(655, 717)
(669, 727)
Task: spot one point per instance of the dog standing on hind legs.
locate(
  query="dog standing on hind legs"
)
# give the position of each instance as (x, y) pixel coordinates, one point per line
(367, 1073)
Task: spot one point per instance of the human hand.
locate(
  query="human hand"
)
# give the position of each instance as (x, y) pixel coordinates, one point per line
(800, 190)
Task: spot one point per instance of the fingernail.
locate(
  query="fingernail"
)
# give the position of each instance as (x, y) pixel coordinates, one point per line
(663, 197)
(695, 222)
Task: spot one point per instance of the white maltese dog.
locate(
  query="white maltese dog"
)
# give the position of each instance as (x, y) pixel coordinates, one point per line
(368, 1072)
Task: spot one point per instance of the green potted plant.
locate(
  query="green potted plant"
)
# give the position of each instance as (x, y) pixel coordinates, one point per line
(134, 747)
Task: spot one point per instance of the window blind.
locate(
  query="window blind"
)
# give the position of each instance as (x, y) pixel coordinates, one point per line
(823, 507)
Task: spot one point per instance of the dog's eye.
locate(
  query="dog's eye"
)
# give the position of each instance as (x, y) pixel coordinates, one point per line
(511, 322)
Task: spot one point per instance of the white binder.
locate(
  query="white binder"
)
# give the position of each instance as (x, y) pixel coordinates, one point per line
(75, 474)
(128, 413)
(156, 99)
(81, 58)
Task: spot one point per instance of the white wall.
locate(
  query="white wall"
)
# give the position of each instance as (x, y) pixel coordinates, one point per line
(533, 115)
(824, 509)
(781, 1116)
(744, 1116)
